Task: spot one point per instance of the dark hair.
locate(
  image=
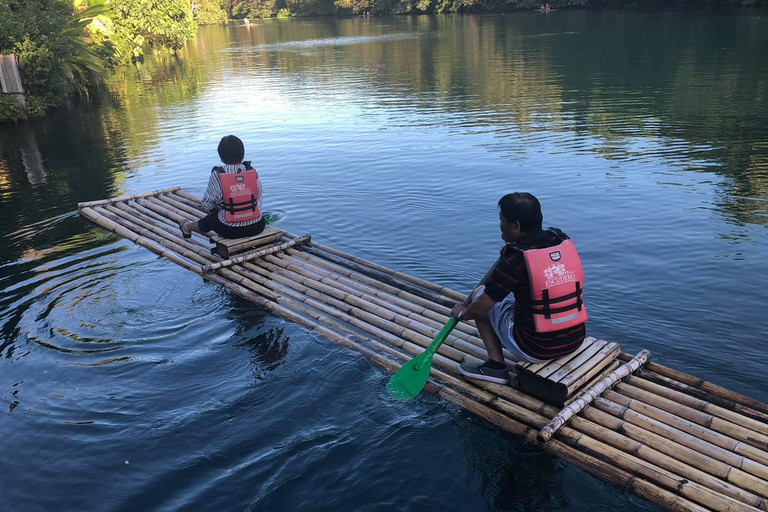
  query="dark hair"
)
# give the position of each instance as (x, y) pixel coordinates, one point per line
(231, 150)
(523, 208)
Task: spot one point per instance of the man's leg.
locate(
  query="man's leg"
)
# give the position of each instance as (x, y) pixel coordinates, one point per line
(487, 334)
(490, 340)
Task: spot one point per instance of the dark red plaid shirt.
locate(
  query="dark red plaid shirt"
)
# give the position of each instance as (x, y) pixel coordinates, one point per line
(511, 276)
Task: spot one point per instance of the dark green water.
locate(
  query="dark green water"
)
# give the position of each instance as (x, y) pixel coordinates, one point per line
(129, 384)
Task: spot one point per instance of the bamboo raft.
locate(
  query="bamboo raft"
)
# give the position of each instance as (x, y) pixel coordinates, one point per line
(670, 438)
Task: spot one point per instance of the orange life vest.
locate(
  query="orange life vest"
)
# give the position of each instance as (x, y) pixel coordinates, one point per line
(557, 280)
(241, 192)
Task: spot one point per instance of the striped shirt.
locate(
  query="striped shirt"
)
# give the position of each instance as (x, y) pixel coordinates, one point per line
(511, 276)
(213, 199)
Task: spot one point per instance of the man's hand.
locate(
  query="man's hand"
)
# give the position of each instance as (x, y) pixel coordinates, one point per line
(458, 309)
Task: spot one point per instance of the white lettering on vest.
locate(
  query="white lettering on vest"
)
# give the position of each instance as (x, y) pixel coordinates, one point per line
(239, 189)
(558, 274)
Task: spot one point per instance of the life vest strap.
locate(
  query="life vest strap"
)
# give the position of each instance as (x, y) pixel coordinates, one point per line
(241, 206)
(574, 295)
(543, 306)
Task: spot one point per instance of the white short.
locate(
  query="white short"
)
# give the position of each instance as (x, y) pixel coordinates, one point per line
(502, 318)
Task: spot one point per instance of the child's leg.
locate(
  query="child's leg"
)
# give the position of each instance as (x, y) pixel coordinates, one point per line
(191, 226)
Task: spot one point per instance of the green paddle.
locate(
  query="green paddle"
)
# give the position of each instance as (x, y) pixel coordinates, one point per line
(272, 217)
(410, 379)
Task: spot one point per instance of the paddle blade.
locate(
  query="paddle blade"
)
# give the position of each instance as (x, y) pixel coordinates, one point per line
(272, 216)
(410, 379)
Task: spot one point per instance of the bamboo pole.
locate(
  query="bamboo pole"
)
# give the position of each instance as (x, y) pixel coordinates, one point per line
(308, 277)
(258, 254)
(384, 278)
(403, 299)
(367, 313)
(639, 485)
(107, 224)
(608, 369)
(356, 276)
(630, 455)
(707, 420)
(188, 197)
(730, 489)
(645, 489)
(703, 395)
(700, 405)
(197, 204)
(194, 212)
(588, 396)
(681, 438)
(456, 296)
(689, 427)
(89, 204)
(703, 385)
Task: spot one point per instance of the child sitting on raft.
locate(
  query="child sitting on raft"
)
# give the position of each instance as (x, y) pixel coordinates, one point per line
(233, 196)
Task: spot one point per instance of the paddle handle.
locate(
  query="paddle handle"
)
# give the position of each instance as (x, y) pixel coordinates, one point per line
(452, 321)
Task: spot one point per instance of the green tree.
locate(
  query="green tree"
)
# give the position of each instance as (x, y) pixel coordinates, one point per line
(208, 12)
(134, 25)
(55, 61)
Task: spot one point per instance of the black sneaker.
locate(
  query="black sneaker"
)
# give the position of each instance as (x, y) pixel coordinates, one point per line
(481, 371)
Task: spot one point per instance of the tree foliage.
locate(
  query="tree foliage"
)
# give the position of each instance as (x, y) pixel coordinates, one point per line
(63, 46)
(54, 60)
(133, 25)
(208, 12)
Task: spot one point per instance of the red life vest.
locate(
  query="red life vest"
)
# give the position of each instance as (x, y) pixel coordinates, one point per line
(241, 192)
(557, 280)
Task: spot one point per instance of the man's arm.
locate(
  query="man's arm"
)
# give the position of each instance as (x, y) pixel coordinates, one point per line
(478, 308)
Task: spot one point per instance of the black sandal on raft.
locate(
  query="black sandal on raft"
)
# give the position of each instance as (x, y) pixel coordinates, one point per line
(181, 228)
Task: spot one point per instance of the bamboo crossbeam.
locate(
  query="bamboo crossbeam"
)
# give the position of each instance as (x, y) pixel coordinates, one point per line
(129, 197)
(605, 371)
(258, 254)
(588, 396)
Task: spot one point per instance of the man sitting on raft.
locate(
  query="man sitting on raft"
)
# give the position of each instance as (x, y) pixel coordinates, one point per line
(532, 302)
(233, 196)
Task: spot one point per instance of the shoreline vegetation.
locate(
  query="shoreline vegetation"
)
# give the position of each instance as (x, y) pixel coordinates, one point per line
(66, 48)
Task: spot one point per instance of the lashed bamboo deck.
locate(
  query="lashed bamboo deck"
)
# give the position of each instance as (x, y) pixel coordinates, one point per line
(670, 438)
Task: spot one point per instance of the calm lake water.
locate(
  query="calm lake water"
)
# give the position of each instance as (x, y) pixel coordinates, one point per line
(127, 383)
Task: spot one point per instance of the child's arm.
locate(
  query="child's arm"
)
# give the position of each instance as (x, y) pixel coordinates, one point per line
(213, 197)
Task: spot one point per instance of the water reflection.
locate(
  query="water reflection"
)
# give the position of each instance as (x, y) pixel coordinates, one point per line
(392, 139)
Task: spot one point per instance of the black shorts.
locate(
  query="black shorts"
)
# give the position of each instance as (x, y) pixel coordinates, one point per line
(211, 222)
